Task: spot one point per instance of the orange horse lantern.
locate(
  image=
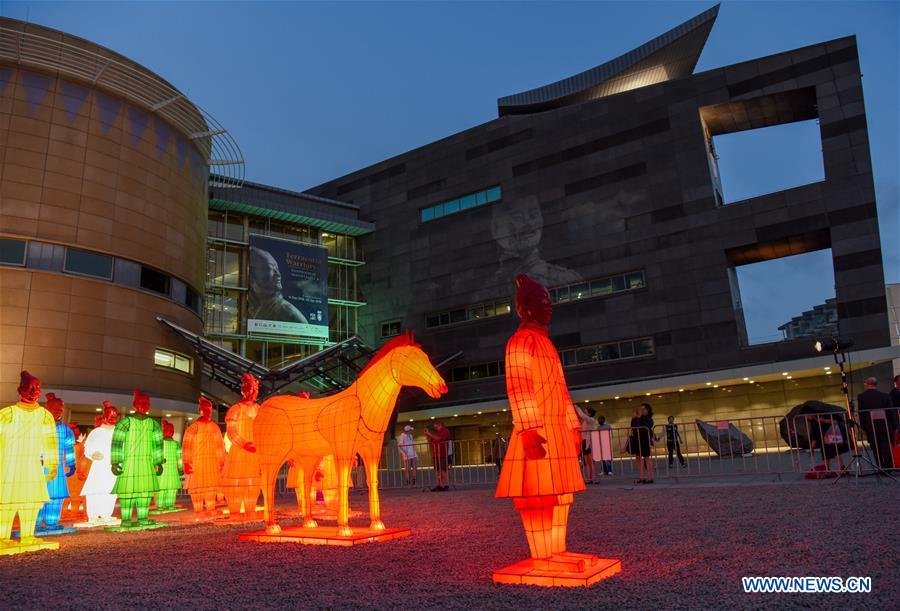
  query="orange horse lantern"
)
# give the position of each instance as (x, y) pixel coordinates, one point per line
(352, 421)
(541, 471)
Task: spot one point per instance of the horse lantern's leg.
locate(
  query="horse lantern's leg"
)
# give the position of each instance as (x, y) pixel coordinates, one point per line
(370, 459)
(343, 469)
(268, 474)
(307, 469)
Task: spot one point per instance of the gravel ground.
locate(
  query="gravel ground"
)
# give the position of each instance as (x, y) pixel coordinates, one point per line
(681, 545)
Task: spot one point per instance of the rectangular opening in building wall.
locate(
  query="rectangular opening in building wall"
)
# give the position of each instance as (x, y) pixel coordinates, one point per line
(766, 160)
(153, 280)
(390, 328)
(12, 252)
(764, 144)
(787, 298)
(88, 264)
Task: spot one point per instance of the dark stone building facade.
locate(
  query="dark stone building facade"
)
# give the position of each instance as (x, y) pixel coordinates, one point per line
(613, 199)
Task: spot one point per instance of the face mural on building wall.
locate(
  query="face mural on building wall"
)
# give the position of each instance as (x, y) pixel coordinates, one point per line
(517, 229)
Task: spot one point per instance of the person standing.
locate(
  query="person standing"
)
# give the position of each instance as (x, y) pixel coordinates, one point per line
(875, 418)
(605, 450)
(673, 441)
(440, 439)
(588, 426)
(634, 443)
(408, 454)
(645, 442)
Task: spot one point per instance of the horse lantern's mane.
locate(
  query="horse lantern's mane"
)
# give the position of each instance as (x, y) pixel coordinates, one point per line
(404, 339)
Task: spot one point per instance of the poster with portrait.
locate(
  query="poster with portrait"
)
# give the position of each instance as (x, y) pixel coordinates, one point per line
(288, 288)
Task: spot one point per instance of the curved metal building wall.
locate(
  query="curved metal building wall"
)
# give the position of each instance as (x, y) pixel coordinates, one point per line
(90, 176)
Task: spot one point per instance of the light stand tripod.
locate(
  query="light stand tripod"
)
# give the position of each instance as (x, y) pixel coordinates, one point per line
(856, 461)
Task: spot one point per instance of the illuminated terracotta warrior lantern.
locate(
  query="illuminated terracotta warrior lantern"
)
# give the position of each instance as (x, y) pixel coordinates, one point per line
(203, 454)
(170, 480)
(98, 486)
(541, 471)
(351, 421)
(75, 508)
(57, 488)
(27, 433)
(137, 460)
(240, 478)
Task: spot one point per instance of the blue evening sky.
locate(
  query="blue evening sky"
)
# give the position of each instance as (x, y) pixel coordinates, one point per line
(312, 91)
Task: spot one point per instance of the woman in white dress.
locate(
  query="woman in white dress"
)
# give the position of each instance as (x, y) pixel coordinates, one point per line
(100, 480)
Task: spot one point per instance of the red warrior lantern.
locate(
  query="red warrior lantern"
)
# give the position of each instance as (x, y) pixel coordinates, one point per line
(541, 471)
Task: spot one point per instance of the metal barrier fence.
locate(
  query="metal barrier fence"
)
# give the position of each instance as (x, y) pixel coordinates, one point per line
(739, 446)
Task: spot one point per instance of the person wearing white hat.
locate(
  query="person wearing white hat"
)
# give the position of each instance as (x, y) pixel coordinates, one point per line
(408, 454)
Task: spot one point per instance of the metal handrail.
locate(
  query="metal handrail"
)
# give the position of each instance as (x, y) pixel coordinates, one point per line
(142, 87)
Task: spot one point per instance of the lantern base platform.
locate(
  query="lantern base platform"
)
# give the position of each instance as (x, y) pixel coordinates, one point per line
(52, 532)
(227, 519)
(129, 527)
(325, 535)
(15, 547)
(156, 512)
(320, 513)
(527, 573)
(98, 523)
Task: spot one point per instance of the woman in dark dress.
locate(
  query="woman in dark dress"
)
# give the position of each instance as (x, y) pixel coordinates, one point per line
(634, 443)
(645, 444)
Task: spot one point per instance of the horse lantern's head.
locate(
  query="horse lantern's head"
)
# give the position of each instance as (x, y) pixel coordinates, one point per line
(410, 365)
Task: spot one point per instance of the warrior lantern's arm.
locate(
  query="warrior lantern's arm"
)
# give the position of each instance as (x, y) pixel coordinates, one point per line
(120, 434)
(156, 440)
(69, 450)
(231, 427)
(220, 446)
(180, 463)
(51, 444)
(187, 447)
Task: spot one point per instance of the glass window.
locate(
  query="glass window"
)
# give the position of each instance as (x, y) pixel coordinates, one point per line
(215, 225)
(192, 299)
(601, 287)
(636, 280)
(493, 369)
(479, 371)
(626, 349)
(586, 355)
(127, 273)
(618, 283)
(608, 352)
(476, 311)
(445, 318)
(390, 329)
(467, 202)
(489, 309)
(580, 291)
(427, 214)
(562, 294)
(153, 280)
(12, 252)
(234, 227)
(493, 194)
(438, 211)
(643, 347)
(258, 226)
(568, 357)
(433, 321)
(88, 264)
(457, 316)
(480, 198)
(451, 207)
(173, 360)
(502, 307)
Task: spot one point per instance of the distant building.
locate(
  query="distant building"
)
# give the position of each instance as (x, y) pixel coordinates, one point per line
(821, 320)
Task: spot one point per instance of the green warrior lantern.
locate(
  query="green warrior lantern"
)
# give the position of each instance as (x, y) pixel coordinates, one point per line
(170, 480)
(137, 460)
